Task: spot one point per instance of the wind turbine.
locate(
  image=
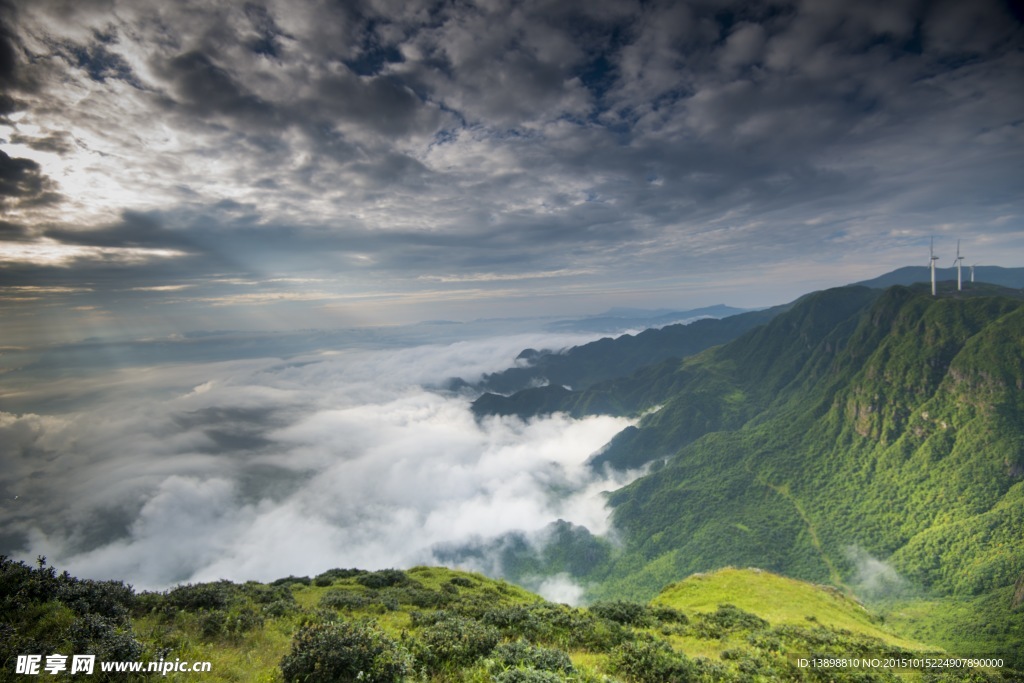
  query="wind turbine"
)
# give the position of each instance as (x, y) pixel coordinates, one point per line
(957, 261)
(972, 272)
(935, 258)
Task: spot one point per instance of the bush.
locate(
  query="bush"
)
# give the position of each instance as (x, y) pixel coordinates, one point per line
(456, 641)
(279, 608)
(527, 676)
(211, 624)
(343, 599)
(292, 580)
(515, 621)
(628, 613)
(200, 596)
(263, 595)
(523, 655)
(418, 597)
(98, 635)
(111, 599)
(344, 651)
(728, 618)
(668, 615)
(652, 662)
(384, 578)
(243, 620)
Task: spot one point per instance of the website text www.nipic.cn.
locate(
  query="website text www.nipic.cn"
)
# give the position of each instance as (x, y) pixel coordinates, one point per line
(86, 664)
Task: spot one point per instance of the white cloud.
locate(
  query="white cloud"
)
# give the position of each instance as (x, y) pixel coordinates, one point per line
(560, 588)
(262, 469)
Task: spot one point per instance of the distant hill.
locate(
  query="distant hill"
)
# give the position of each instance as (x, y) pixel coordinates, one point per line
(909, 275)
(584, 365)
(620, 319)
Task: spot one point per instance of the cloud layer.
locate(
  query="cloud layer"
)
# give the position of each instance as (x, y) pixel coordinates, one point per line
(261, 469)
(512, 156)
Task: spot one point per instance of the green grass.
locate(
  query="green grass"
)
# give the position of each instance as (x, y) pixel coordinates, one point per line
(779, 600)
(979, 625)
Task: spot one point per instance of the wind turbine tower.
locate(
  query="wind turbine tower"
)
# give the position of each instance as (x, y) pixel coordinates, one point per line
(957, 261)
(935, 258)
(972, 272)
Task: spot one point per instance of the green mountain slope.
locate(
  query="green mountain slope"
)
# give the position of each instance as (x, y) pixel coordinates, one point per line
(436, 624)
(853, 429)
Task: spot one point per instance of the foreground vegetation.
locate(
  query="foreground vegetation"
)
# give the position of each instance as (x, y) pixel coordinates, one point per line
(436, 624)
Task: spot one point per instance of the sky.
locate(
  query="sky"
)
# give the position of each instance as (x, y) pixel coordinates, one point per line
(203, 165)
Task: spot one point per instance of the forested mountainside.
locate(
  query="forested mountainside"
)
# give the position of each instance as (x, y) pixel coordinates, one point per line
(609, 358)
(860, 429)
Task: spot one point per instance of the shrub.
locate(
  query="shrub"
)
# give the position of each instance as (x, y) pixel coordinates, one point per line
(514, 621)
(652, 662)
(344, 651)
(343, 599)
(599, 635)
(279, 608)
(243, 620)
(211, 624)
(622, 612)
(522, 654)
(418, 597)
(263, 595)
(98, 635)
(527, 676)
(292, 580)
(384, 578)
(195, 597)
(669, 615)
(728, 618)
(456, 641)
(111, 599)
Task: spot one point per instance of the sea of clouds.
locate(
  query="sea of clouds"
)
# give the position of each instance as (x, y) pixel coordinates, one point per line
(269, 467)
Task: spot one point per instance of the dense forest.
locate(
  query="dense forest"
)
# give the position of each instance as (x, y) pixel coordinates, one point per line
(860, 429)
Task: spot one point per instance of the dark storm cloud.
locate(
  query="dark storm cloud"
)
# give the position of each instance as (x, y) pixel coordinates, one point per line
(59, 142)
(22, 183)
(12, 232)
(377, 142)
(206, 90)
(8, 51)
(133, 230)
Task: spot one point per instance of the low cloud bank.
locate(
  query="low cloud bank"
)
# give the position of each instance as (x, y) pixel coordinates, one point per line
(875, 579)
(260, 469)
